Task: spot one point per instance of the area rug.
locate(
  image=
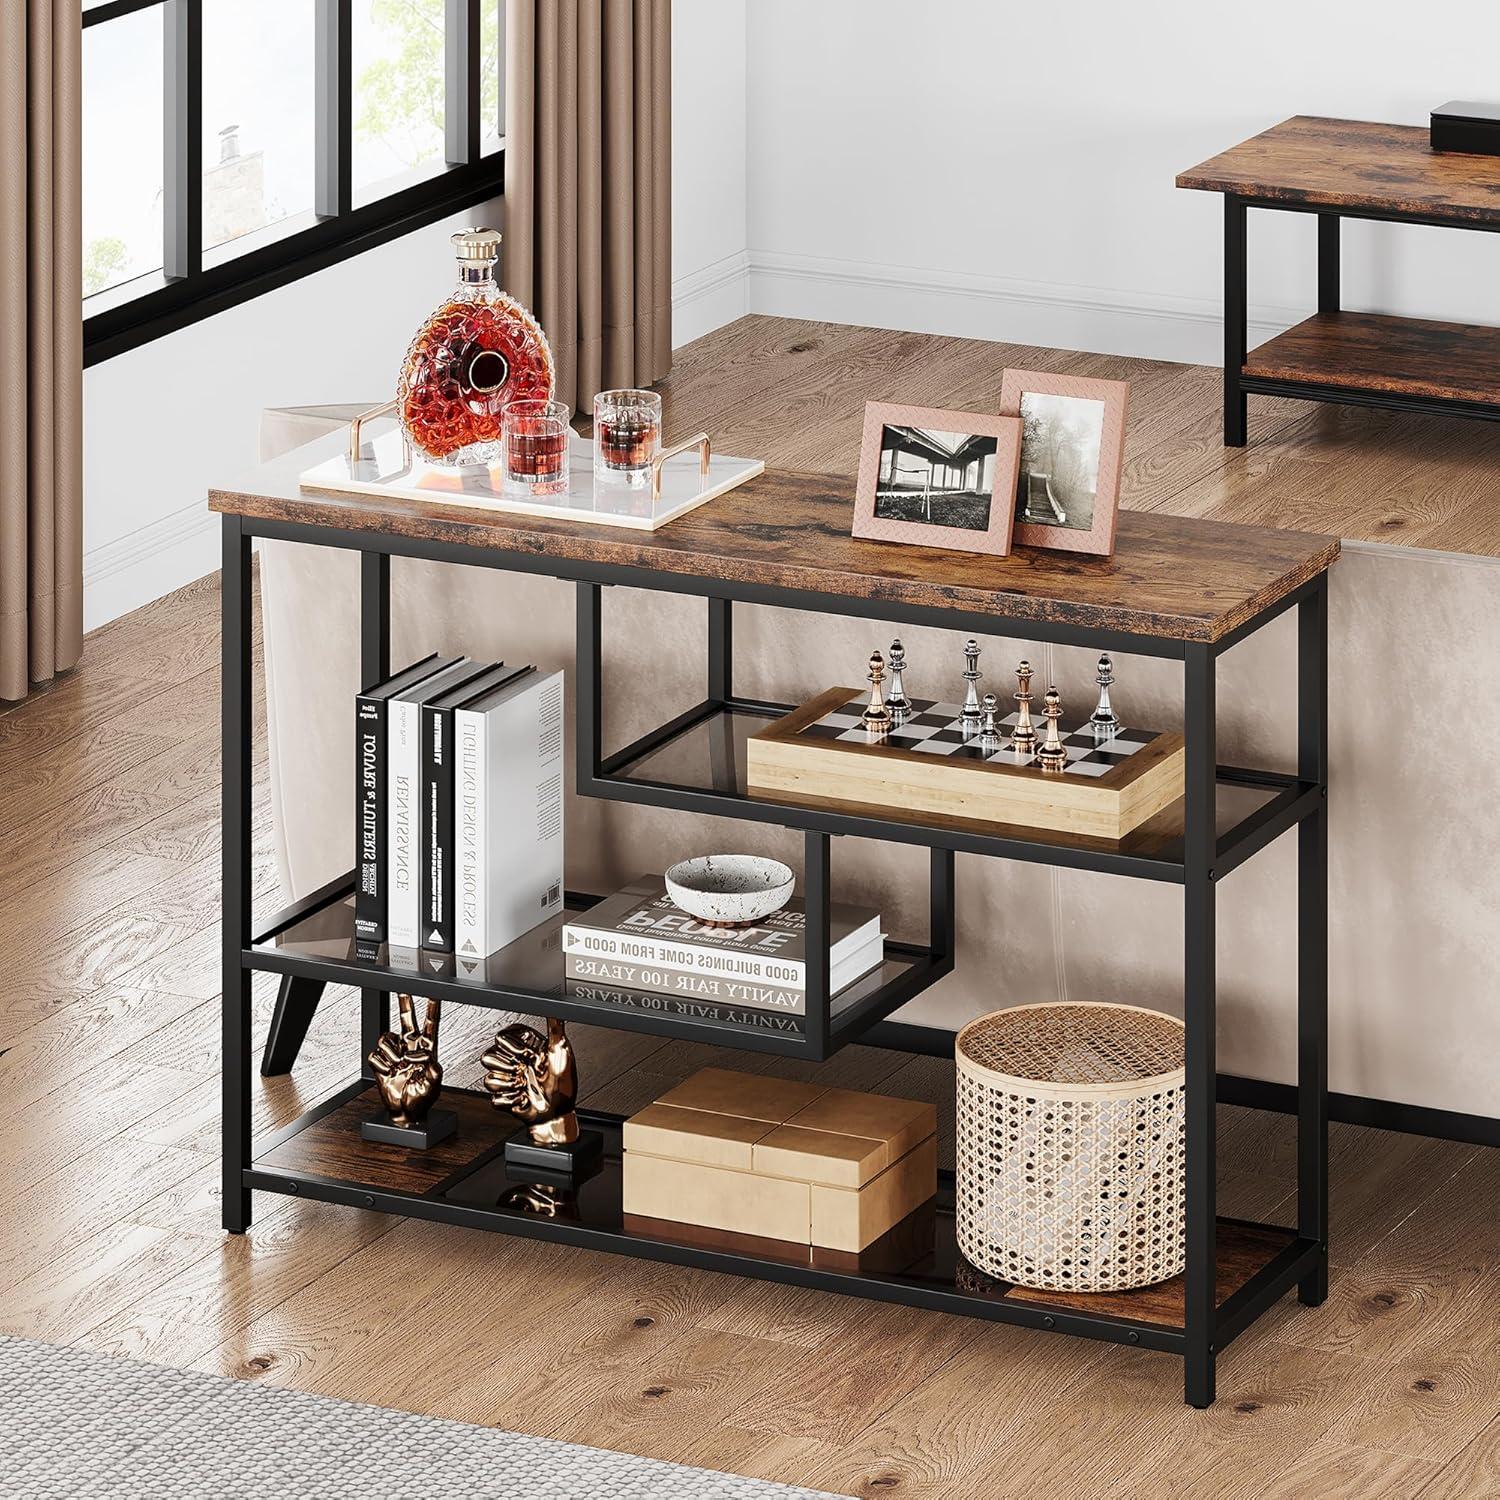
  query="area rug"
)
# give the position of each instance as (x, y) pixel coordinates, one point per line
(78, 1424)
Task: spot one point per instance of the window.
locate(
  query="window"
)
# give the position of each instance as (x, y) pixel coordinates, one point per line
(231, 146)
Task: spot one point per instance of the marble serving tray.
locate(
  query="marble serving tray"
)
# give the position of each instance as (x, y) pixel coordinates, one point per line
(383, 469)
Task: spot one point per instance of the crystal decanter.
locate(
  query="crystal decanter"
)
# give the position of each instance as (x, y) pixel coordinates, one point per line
(477, 352)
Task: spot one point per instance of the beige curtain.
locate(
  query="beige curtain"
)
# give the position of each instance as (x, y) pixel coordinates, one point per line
(588, 186)
(41, 343)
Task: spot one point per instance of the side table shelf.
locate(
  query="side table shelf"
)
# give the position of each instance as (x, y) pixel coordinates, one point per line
(315, 941)
(321, 1155)
(1175, 589)
(1352, 169)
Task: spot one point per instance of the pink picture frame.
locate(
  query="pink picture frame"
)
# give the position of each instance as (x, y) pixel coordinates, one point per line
(918, 463)
(1083, 437)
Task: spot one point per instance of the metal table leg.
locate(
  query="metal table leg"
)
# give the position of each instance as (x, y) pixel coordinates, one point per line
(1235, 410)
(235, 724)
(374, 665)
(1328, 263)
(1199, 1015)
(1312, 939)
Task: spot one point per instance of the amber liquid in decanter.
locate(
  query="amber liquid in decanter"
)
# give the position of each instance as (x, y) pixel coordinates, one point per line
(479, 351)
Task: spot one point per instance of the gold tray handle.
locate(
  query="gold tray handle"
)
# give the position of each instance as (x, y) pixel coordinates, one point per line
(357, 425)
(699, 440)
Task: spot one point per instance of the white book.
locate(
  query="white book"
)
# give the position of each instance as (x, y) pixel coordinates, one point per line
(403, 790)
(508, 812)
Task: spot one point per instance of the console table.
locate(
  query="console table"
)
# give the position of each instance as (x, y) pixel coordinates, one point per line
(1353, 169)
(1180, 589)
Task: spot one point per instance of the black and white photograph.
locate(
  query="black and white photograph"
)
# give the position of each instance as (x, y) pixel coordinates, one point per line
(1060, 439)
(941, 478)
(1072, 458)
(937, 478)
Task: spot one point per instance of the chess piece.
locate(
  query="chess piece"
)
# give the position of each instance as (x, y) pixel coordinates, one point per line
(972, 714)
(410, 1078)
(1052, 756)
(877, 717)
(535, 1078)
(895, 698)
(1104, 719)
(1023, 736)
(990, 732)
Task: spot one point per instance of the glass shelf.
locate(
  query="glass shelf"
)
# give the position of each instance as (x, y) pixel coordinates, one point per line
(316, 940)
(698, 762)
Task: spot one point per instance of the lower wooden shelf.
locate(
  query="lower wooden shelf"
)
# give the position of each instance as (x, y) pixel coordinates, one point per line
(1379, 352)
(464, 1180)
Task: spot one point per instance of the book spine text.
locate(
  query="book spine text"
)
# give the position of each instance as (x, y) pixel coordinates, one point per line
(709, 988)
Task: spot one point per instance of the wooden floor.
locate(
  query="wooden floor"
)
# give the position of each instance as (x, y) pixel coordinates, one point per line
(108, 1092)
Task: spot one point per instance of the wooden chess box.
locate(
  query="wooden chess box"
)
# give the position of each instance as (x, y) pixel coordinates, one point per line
(789, 1161)
(1110, 786)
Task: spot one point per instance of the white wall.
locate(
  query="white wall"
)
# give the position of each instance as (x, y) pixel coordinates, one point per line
(708, 166)
(1005, 171)
(165, 422)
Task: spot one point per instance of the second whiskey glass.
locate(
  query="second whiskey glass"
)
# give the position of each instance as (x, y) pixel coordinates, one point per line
(534, 447)
(627, 436)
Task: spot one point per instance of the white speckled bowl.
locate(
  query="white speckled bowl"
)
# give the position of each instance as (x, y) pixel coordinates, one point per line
(730, 887)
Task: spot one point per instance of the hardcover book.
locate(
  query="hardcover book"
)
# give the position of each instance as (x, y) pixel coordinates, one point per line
(721, 990)
(370, 896)
(509, 811)
(641, 924)
(436, 822)
(684, 1006)
(403, 778)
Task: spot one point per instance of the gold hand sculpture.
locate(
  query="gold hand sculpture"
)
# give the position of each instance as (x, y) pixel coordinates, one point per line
(406, 1066)
(536, 1079)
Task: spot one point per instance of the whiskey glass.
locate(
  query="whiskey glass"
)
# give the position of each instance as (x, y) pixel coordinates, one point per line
(627, 436)
(534, 447)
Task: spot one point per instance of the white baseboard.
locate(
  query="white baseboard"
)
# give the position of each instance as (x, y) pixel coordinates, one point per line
(709, 298)
(132, 570)
(967, 305)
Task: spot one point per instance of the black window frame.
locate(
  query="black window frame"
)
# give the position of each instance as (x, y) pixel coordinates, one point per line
(193, 291)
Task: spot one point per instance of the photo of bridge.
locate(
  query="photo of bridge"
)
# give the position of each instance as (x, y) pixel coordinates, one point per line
(940, 478)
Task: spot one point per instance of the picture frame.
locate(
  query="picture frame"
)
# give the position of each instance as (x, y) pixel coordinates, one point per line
(1072, 459)
(935, 478)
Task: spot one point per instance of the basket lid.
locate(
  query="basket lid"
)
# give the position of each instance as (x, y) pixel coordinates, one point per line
(1077, 1043)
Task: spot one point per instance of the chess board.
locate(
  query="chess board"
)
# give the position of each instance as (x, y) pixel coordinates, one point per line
(936, 729)
(1111, 783)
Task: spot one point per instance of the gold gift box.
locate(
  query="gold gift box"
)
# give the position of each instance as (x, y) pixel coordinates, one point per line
(788, 1161)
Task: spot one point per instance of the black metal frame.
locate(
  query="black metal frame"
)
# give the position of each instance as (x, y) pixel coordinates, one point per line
(1206, 859)
(1238, 385)
(338, 230)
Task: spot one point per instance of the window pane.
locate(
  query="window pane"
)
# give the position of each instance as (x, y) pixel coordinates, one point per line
(398, 88)
(122, 149)
(491, 76)
(258, 114)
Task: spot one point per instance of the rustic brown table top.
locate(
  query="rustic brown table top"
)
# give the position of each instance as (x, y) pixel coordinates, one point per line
(1171, 578)
(1355, 164)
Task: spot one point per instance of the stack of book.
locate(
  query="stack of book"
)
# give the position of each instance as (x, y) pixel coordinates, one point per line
(458, 806)
(638, 950)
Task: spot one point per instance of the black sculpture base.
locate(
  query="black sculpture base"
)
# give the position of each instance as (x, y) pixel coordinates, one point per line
(523, 1154)
(438, 1126)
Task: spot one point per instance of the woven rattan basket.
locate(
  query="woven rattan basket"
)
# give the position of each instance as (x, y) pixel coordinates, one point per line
(1070, 1146)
